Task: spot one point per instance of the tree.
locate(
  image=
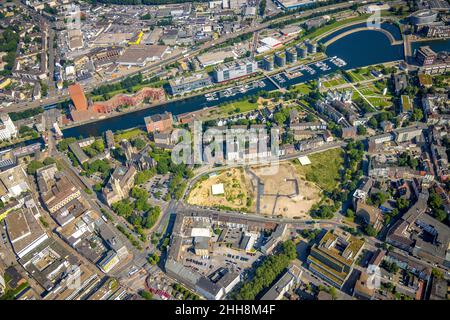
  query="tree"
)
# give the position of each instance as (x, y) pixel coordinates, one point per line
(146, 295)
(262, 7)
(438, 274)
(350, 213)
(98, 187)
(138, 143)
(153, 259)
(279, 118)
(402, 204)
(33, 166)
(98, 145)
(370, 231)
(48, 161)
(373, 123)
(361, 130)
(417, 114)
(333, 293)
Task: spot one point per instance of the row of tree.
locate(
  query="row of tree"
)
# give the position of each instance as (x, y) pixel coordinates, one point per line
(268, 272)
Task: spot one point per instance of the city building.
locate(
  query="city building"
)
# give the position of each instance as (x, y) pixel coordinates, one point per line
(7, 128)
(275, 238)
(425, 56)
(13, 181)
(140, 55)
(371, 215)
(423, 17)
(184, 85)
(291, 55)
(289, 280)
(400, 83)
(268, 63)
(159, 122)
(145, 95)
(292, 4)
(24, 231)
(235, 70)
(312, 47)
(420, 234)
(61, 193)
(333, 257)
(302, 52)
(280, 59)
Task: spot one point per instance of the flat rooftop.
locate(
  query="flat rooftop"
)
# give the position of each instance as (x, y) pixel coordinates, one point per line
(23, 229)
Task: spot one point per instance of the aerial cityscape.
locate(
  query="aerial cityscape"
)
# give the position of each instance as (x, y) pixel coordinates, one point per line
(224, 150)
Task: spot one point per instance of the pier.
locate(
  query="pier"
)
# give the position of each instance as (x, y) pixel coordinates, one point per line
(346, 33)
(273, 81)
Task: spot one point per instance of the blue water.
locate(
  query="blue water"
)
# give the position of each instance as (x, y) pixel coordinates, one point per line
(435, 45)
(365, 48)
(358, 49)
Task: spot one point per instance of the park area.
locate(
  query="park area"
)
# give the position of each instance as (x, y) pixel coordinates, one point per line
(334, 81)
(236, 107)
(323, 170)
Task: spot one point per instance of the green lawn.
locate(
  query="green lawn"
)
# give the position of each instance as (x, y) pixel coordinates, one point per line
(237, 107)
(333, 82)
(337, 24)
(324, 168)
(302, 88)
(129, 134)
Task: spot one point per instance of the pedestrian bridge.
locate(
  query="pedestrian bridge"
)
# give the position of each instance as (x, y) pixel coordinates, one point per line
(348, 32)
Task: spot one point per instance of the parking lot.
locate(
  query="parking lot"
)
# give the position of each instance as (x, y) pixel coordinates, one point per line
(157, 186)
(222, 256)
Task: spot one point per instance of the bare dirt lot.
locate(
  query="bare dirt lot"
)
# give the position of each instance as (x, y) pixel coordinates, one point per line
(284, 192)
(271, 191)
(238, 191)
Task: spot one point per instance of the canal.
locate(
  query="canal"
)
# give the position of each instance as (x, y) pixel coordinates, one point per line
(357, 49)
(435, 45)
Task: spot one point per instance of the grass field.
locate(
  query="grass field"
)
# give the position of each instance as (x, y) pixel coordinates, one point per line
(229, 109)
(324, 168)
(302, 88)
(360, 75)
(380, 102)
(129, 134)
(324, 29)
(337, 81)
